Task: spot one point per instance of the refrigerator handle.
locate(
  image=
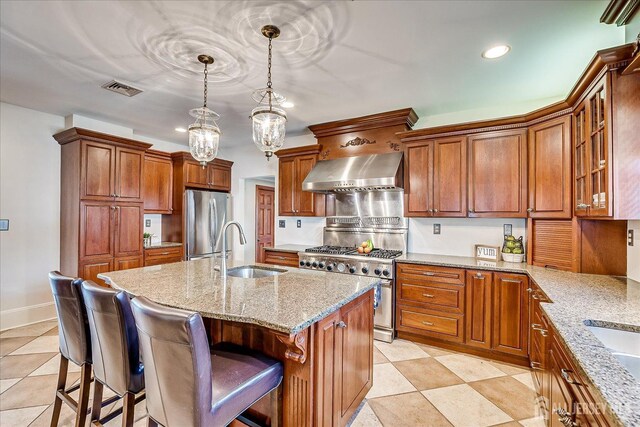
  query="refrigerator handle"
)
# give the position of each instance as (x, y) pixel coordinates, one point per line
(213, 222)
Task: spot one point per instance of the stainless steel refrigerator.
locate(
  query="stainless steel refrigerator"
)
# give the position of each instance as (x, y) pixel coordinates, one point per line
(206, 213)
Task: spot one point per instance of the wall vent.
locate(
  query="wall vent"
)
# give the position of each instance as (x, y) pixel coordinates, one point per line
(121, 88)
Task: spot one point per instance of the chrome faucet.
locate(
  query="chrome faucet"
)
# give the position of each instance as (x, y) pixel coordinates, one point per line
(243, 240)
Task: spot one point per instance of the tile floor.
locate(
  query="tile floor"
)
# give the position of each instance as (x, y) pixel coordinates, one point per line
(414, 385)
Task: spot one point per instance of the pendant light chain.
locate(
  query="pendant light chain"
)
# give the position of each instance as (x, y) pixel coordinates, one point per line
(269, 73)
(206, 72)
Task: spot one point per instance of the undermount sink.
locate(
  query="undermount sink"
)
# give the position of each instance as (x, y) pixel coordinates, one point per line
(624, 346)
(254, 272)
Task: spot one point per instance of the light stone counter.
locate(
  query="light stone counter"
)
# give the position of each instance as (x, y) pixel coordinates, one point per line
(578, 300)
(288, 302)
(289, 248)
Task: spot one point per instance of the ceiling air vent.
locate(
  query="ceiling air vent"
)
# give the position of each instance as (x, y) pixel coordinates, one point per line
(121, 88)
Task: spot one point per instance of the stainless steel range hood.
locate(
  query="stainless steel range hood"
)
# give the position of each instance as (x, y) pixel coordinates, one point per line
(362, 173)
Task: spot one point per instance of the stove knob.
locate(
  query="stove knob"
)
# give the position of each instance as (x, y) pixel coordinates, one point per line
(385, 272)
(377, 271)
(365, 270)
(329, 267)
(341, 267)
(352, 270)
(315, 264)
(308, 264)
(321, 265)
(301, 263)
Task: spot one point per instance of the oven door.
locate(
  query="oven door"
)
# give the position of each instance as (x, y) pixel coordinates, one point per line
(383, 319)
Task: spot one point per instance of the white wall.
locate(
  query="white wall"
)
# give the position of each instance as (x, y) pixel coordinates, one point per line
(633, 252)
(30, 199)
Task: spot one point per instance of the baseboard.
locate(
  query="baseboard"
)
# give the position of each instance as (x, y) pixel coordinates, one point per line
(23, 316)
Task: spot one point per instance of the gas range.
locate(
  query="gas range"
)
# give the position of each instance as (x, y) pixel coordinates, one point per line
(347, 260)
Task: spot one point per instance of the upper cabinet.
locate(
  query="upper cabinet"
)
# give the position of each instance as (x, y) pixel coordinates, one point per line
(215, 175)
(435, 180)
(293, 167)
(498, 174)
(550, 169)
(158, 182)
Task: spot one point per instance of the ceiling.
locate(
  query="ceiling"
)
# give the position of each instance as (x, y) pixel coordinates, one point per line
(334, 59)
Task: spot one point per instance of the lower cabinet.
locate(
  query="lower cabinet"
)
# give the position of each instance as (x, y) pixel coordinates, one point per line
(510, 314)
(478, 312)
(89, 270)
(162, 255)
(344, 345)
(285, 259)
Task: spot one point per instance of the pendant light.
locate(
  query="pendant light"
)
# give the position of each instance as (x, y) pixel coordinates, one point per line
(204, 134)
(268, 118)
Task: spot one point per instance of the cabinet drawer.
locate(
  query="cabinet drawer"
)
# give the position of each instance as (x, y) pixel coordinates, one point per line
(435, 296)
(157, 256)
(430, 323)
(432, 273)
(287, 259)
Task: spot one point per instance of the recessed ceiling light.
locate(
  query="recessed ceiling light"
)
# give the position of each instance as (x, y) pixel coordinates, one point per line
(496, 51)
(182, 130)
(288, 104)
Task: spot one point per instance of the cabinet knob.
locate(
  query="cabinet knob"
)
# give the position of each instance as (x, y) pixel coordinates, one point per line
(435, 210)
(582, 206)
(529, 209)
(479, 276)
(471, 211)
(341, 324)
(430, 210)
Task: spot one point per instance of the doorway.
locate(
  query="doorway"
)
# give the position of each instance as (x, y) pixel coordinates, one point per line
(265, 220)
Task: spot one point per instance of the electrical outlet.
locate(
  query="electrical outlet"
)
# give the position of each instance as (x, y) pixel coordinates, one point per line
(508, 229)
(436, 228)
(4, 225)
(630, 237)
(299, 223)
(281, 223)
(147, 223)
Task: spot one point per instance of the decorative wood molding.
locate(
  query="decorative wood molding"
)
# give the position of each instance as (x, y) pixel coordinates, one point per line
(324, 154)
(158, 154)
(74, 134)
(406, 117)
(296, 345)
(186, 156)
(356, 142)
(394, 146)
(299, 151)
(619, 12)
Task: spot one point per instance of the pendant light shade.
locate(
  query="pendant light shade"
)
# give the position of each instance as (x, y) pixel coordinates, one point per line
(268, 118)
(204, 134)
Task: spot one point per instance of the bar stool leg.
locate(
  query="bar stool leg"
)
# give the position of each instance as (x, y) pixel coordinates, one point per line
(83, 398)
(128, 406)
(60, 388)
(96, 408)
(151, 423)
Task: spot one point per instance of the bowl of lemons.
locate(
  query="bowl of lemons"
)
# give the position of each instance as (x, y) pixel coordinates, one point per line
(513, 249)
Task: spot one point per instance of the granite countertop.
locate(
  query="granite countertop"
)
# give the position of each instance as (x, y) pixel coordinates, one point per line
(579, 300)
(289, 248)
(163, 245)
(288, 302)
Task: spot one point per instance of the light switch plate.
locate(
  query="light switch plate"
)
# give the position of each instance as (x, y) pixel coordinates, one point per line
(4, 225)
(508, 229)
(436, 228)
(630, 237)
(147, 223)
(299, 223)
(281, 223)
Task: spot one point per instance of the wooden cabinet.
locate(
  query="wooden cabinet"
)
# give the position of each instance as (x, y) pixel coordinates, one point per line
(162, 255)
(283, 258)
(344, 346)
(216, 175)
(498, 174)
(510, 314)
(158, 182)
(478, 312)
(101, 205)
(550, 169)
(293, 167)
(538, 341)
(436, 178)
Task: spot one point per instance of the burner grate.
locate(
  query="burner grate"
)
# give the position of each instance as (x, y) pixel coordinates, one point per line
(332, 250)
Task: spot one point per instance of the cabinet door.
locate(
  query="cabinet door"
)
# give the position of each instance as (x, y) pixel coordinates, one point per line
(478, 313)
(498, 174)
(450, 178)
(510, 313)
(128, 229)
(325, 347)
(219, 178)
(419, 179)
(195, 175)
(598, 111)
(97, 181)
(561, 400)
(581, 162)
(127, 263)
(129, 174)
(158, 185)
(90, 270)
(307, 203)
(286, 186)
(96, 229)
(550, 169)
(354, 357)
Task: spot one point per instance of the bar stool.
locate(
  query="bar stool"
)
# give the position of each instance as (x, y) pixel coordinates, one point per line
(189, 384)
(75, 345)
(116, 353)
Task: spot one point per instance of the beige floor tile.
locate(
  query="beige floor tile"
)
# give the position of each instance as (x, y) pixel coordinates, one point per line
(378, 357)
(509, 424)
(34, 330)
(6, 384)
(526, 379)
(533, 422)
(30, 391)
(52, 366)
(410, 409)
(434, 351)
(139, 415)
(366, 418)
(510, 395)
(44, 344)
(22, 365)
(400, 350)
(510, 369)
(427, 373)
(22, 416)
(67, 418)
(8, 345)
(387, 380)
(52, 332)
(470, 368)
(465, 407)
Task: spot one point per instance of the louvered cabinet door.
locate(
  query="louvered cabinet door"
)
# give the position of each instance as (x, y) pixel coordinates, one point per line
(553, 244)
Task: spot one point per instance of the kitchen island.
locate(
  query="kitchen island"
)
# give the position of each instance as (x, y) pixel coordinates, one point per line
(320, 325)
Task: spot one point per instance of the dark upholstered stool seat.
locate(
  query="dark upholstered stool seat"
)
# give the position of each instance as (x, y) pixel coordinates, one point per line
(240, 377)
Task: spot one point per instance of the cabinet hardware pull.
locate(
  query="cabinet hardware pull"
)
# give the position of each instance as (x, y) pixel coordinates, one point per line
(471, 211)
(535, 296)
(565, 418)
(536, 365)
(529, 290)
(341, 324)
(539, 328)
(435, 211)
(430, 210)
(479, 276)
(428, 273)
(164, 253)
(428, 295)
(565, 374)
(427, 323)
(582, 206)
(529, 209)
